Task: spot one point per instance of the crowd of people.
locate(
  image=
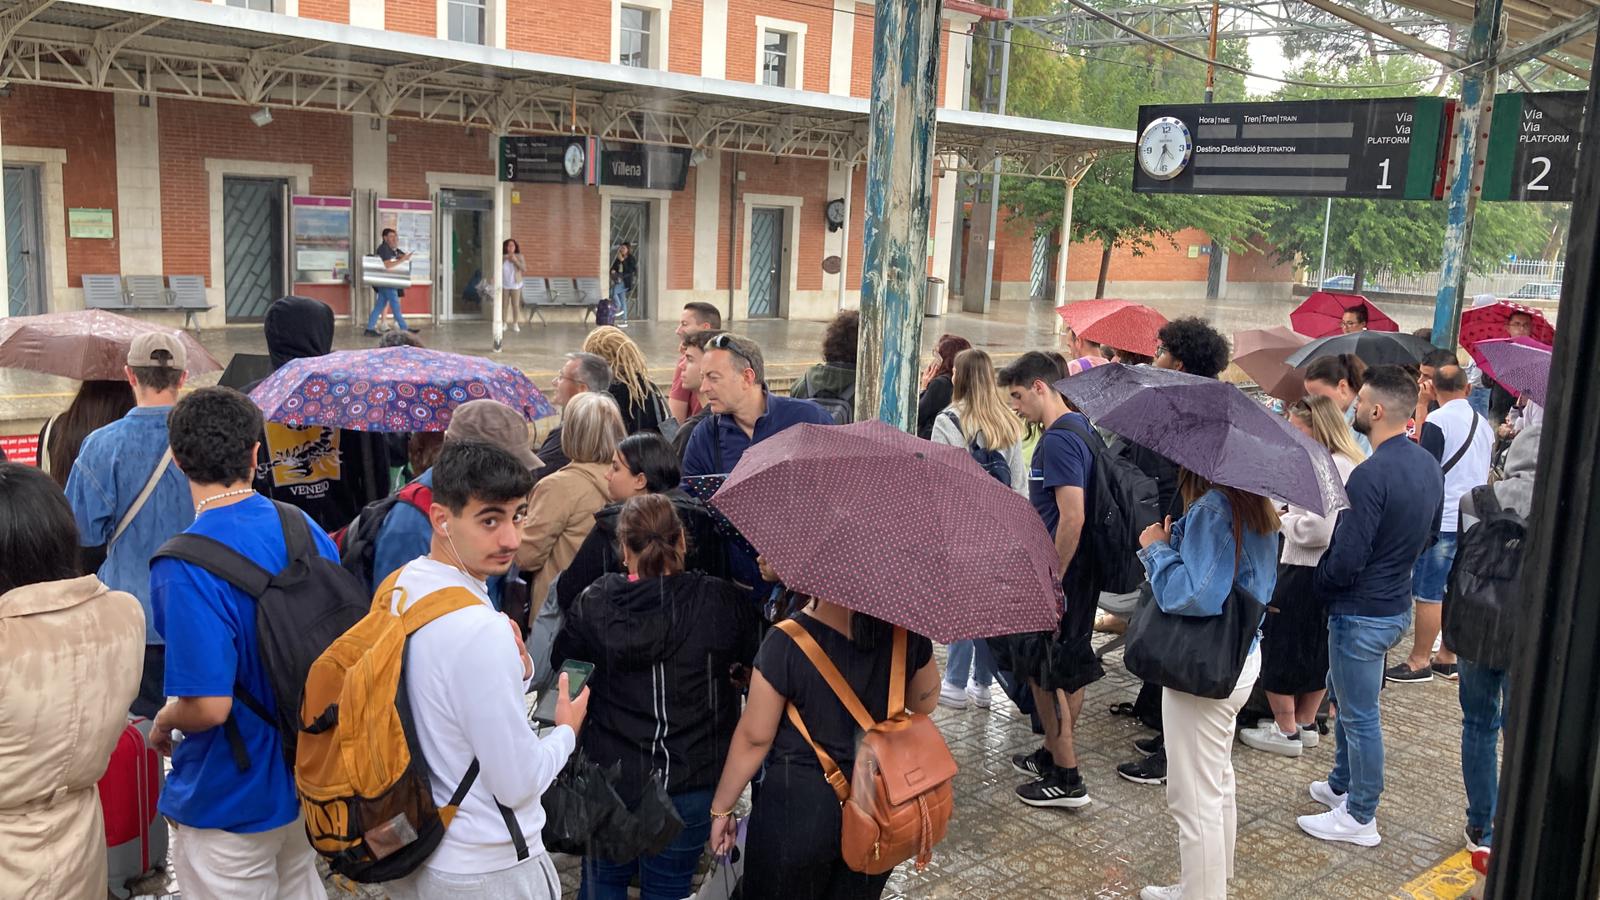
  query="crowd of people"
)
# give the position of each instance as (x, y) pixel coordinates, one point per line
(596, 545)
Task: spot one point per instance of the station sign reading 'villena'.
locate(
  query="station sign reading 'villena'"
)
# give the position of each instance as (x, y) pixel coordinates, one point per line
(585, 160)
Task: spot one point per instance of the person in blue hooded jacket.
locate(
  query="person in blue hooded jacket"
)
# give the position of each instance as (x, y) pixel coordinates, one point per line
(1226, 537)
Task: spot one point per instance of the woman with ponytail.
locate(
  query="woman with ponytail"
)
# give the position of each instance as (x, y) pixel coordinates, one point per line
(666, 645)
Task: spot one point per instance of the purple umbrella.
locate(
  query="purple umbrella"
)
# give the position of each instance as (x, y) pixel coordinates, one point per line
(391, 389)
(897, 527)
(1211, 428)
(1521, 364)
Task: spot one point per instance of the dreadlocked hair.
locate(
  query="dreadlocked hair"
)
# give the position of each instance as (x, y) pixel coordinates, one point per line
(623, 355)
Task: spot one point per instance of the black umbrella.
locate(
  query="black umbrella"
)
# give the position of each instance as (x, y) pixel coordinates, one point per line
(1375, 348)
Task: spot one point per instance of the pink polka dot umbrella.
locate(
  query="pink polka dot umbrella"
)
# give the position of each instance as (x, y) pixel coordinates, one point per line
(391, 389)
(885, 523)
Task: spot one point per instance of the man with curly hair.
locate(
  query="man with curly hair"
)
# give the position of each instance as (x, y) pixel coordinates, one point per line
(1191, 345)
(832, 382)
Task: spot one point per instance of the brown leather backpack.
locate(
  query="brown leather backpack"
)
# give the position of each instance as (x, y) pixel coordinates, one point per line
(903, 763)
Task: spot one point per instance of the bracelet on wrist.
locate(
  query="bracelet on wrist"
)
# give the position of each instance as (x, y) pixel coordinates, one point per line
(721, 815)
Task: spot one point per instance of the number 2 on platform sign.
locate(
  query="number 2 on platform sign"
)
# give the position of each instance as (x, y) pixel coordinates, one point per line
(1537, 182)
(1383, 183)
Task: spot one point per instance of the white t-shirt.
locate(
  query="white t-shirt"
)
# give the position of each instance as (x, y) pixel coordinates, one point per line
(510, 278)
(1454, 421)
(468, 699)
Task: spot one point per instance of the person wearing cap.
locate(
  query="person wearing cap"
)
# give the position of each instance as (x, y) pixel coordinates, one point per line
(406, 532)
(128, 497)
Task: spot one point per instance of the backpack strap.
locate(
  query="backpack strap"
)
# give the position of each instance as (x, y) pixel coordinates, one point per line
(448, 811)
(1465, 445)
(841, 689)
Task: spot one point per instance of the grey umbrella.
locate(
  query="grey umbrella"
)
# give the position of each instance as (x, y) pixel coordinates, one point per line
(1375, 348)
(1211, 428)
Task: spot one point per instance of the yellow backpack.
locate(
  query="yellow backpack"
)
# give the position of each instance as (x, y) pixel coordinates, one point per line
(363, 782)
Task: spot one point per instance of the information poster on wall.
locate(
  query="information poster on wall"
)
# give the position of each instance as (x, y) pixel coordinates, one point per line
(321, 228)
(412, 221)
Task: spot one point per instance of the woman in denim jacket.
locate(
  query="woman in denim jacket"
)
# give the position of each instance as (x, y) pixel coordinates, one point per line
(1226, 537)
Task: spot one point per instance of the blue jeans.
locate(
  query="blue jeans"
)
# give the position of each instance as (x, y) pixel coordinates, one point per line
(619, 301)
(1479, 401)
(969, 658)
(1356, 648)
(1431, 574)
(389, 297)
(1484, 694)
(669, 875)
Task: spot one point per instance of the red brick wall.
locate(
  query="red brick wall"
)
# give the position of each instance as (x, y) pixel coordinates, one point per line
(418, 16)
(1013, 251)
(558, 228)
(416, 148)
(680, 237)
(807, 179)
(578, 30)
(683, 38)
(327, 10)
(729, 219)
(38, 117)
(861, 53)
(1259, 265)
(818, 19)
(192, 132)
(855, 248)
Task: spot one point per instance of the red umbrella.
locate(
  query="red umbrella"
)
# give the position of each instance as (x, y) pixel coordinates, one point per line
(1487, 323)
(1320, 315)
(888, 524)
(1122, 324)
(86, 344)
(1261, 354)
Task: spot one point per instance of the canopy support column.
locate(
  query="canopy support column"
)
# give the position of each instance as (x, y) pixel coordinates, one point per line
(502, 212)
(905, 66)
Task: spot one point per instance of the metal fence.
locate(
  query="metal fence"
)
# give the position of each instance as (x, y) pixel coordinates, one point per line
(1523, 277)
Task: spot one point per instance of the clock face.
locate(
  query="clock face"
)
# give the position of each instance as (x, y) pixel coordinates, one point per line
(574, 160)
(835, 211)
(1165, 148)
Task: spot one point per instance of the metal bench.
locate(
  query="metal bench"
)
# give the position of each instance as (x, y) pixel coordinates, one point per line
(147, 292)
(188, 293)
(565, 292)
(535, 294)
(104, 292)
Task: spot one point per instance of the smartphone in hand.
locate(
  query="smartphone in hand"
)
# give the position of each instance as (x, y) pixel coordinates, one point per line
(578, 672)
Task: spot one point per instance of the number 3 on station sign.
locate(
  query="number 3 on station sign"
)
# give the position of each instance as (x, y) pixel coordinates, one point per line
(1165, 148)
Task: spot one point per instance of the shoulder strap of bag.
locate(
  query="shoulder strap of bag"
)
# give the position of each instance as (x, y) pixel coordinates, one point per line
(716, 443)
(1090, 438)
(144, 495)
(42, 457)
(830, 673)
(1465, 445)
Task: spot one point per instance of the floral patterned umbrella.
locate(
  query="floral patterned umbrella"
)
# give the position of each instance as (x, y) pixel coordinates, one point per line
(391, 389)
(888, 524)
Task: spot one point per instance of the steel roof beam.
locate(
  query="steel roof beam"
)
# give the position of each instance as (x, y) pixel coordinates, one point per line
(1553, 39)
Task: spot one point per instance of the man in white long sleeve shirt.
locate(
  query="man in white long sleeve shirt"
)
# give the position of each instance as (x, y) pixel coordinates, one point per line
(466, 677)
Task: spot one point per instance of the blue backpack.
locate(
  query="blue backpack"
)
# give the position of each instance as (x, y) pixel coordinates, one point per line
(991, 461)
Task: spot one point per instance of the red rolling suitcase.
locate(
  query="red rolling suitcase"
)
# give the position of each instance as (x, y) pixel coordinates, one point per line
(136, 835)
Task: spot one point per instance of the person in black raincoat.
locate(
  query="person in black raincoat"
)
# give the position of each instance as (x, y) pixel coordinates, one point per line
(667, 646)
(644, 464)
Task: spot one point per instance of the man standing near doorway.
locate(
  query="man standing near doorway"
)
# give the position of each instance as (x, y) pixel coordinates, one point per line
(389, 251)
(624, 269)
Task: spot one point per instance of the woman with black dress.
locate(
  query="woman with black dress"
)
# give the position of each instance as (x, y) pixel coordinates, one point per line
(792, 844)
(1294, 643)
(937, 384)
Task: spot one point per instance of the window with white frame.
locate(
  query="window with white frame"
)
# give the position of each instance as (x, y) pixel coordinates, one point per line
(466, 20)
(780, 52)
(634, 39)
(258, 5)
(776, 62)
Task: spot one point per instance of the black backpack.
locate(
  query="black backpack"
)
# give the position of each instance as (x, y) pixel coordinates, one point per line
(358, 541)
(840, 405)
(1121, 502)
(991, 461)
(1483, 599)
(300, 612)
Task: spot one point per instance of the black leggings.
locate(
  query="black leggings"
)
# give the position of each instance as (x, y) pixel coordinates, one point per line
(792, 846)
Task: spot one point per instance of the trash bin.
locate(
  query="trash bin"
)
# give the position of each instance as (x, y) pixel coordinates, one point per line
(935, 300)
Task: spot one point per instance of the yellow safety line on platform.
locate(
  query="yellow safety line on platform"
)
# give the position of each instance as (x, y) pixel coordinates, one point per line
(1448, 880)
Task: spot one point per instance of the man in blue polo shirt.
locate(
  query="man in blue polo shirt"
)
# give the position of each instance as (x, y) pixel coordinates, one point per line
(238, 831)
(743, 413)
(129, 498)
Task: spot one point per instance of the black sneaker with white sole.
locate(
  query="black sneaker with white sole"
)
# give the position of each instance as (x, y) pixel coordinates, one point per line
(1054, 789)
(1150, 770)
(1034, 764)
(1400, 673)
(1150, 745)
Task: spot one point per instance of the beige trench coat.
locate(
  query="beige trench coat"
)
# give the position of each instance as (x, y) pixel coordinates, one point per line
(71, 653)
(560, 516)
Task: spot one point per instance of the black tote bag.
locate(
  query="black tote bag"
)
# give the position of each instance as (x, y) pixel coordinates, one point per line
(1199, 655)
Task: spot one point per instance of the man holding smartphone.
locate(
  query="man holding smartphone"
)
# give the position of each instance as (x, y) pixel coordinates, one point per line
(467, 675)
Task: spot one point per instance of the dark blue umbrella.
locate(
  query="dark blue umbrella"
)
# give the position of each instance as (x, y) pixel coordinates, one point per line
(1211, 428)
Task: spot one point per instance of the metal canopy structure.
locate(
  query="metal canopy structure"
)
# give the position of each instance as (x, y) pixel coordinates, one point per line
(199, 51)
(1190, 22)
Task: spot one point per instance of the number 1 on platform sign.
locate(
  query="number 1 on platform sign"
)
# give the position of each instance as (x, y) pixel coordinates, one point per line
(1383, 183)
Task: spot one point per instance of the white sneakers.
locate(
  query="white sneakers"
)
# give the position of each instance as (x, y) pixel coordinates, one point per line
(1322, 793)
(1268, 739)
(1168, 892)
(952, 696)
(981, 697)
(1338, 825)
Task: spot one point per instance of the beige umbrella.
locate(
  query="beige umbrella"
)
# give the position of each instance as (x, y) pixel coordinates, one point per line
(1261, 352)
(88, 344)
